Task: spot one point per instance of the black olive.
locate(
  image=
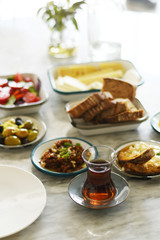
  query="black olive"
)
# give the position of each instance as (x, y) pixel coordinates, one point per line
(24, 140)
(1, 129)
(19, 121)
(1, 139)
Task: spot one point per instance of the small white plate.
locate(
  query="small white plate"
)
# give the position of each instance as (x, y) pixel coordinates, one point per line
(37, 123)
(72, 96)
(155, 122)
(76, 185)
(26, 108)
(42, 147)
(88, 129)
(22, 198)
(120, 170)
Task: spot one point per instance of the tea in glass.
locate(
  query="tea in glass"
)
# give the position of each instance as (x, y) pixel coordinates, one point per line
(99, 186)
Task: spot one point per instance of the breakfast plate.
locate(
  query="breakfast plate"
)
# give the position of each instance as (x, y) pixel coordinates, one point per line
(154, 162)
(40, 149)
(88, 129)
(38, 124)
(75, 191)
(155, 122)
(23, 198)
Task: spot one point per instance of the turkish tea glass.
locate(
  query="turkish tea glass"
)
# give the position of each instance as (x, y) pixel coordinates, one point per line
(99, 187)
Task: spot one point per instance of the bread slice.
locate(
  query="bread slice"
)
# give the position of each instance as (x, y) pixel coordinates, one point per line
(89, 102)
(137, 153)
(119, 88)
(94, 111)
(124, 110)
(123, 117)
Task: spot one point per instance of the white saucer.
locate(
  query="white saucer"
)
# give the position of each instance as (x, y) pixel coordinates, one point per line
(75, 191)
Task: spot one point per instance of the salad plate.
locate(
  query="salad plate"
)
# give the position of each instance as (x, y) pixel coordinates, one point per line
(23, 198)
(26, 107)
(76, 185)
(155, 122)
(40, 149)
(40, 125)
(154, 161)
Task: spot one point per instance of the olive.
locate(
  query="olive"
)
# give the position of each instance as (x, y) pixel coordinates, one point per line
(24, 141)
(1, 129)
(1, 139)
(9, 131)
(22, 133)
(32, 135)
(19, 121)
(27, 124)
(12, 140)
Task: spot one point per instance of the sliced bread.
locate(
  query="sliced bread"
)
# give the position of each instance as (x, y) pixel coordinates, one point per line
(137, 153)
(89, 102)
(119, 88)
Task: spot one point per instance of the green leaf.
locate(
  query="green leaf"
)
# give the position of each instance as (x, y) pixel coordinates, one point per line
(75, 23)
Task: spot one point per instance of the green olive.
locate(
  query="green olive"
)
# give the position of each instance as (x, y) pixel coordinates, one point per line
(12, 141)
(32, 135)
(27, 124)
(8, 131)
(22, 133)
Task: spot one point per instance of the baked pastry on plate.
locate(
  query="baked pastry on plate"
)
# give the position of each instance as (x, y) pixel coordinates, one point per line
(141, 158)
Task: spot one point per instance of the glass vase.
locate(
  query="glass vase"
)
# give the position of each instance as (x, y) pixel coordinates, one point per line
(63, 44)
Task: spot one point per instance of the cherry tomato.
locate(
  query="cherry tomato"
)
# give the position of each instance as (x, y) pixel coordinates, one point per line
(30, 97)
(4, 96)
(18, 77)
(3, 82)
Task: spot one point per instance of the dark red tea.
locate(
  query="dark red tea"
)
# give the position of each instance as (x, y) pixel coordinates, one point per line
(99, 185)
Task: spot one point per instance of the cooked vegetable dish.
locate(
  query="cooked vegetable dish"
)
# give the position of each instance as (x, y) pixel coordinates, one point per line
(15, 131)
(63, 156)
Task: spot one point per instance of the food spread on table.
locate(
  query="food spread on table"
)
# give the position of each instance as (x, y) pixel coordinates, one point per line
(15, 131)
(63, 156)
(140, 158)
(17, 90)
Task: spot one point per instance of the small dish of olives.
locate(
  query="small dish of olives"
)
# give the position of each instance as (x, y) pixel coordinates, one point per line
(20, 131)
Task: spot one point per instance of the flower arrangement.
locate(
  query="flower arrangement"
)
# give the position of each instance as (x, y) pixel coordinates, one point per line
(55, 14)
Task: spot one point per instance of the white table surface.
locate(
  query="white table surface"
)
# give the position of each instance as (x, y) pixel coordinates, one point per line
(23, 48)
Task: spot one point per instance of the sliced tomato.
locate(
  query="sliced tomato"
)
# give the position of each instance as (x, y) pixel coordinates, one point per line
(3, 82)
(18, 77)
(30, 97)
(4, 96)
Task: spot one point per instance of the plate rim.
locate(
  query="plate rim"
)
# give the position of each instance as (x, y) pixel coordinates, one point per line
(60, 174)
(30, 143)
(152, 120)
(129, 174)
(44, 197)
(101, 206)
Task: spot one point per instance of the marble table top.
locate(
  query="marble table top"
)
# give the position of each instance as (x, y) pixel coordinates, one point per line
(138, 216)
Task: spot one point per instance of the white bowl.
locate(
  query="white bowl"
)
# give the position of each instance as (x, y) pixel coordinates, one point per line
(88, 129)
(25, 108)
(71, 96)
